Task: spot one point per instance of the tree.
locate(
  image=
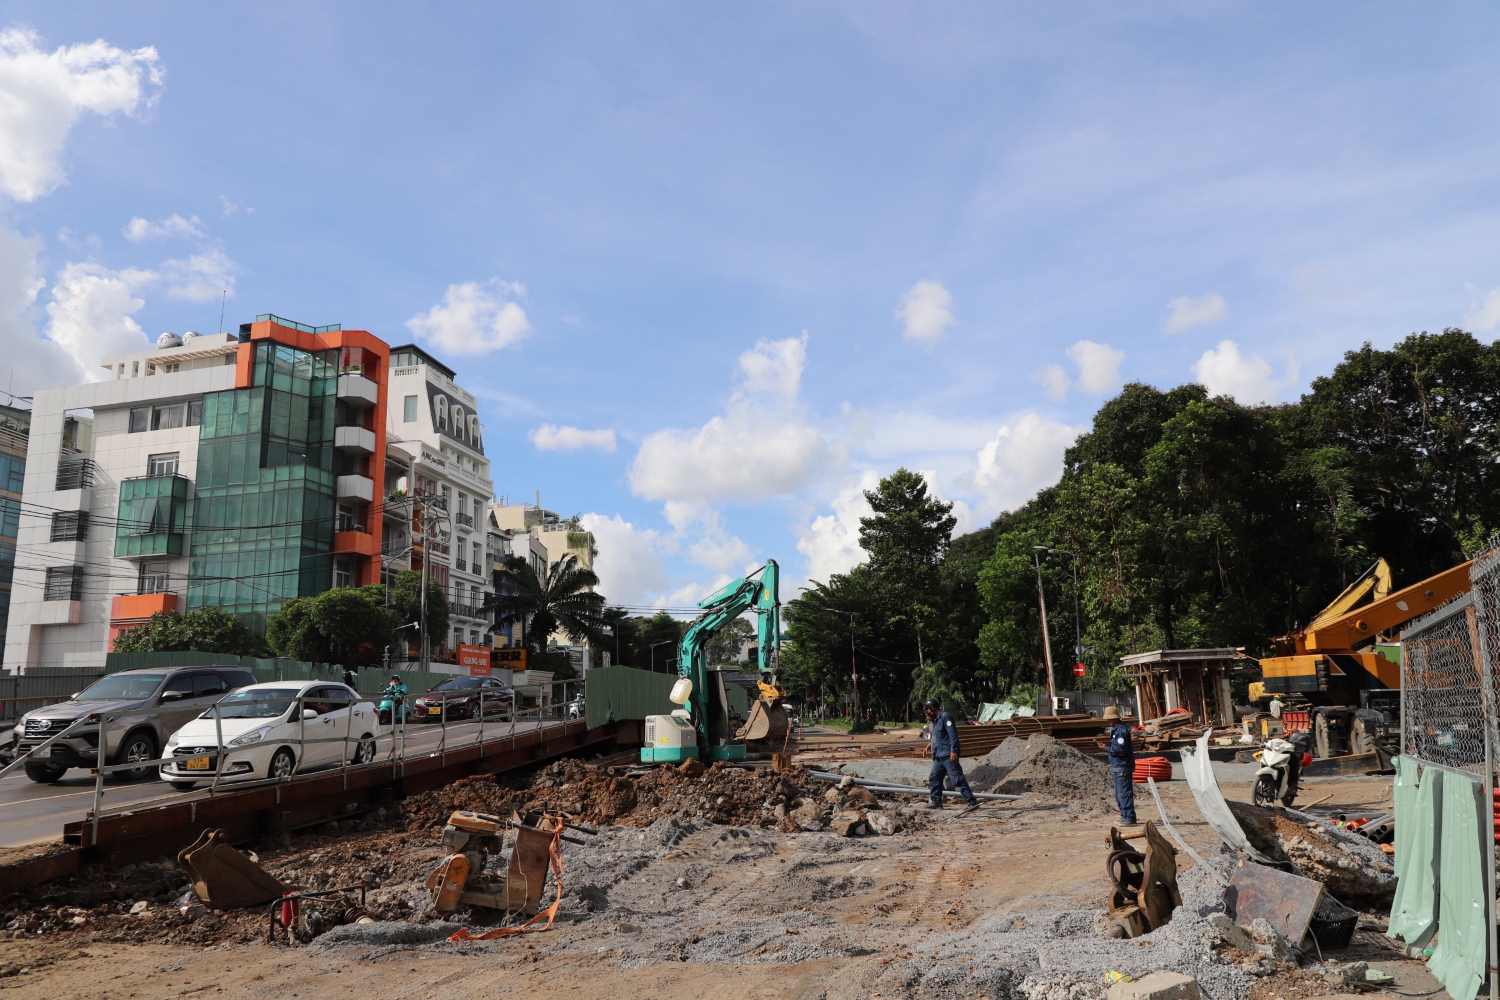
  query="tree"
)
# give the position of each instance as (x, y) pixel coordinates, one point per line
(724, 646)
(657, 640)
(563, 598)
(202, 630)
(405, 600)
(350, 626)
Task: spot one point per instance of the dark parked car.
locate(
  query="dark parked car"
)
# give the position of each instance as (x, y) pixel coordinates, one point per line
(460, 697)
(145, 706)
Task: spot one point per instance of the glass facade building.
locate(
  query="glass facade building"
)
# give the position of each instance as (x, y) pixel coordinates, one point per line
(264, 504)
(152, 518)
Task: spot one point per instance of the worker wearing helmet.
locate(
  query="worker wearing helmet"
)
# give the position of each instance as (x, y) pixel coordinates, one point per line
(945, 763)
(1121, 764)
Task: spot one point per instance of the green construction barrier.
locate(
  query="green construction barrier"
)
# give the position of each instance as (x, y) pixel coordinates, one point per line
(1418, 800)
(615, 694)
(1463, 941)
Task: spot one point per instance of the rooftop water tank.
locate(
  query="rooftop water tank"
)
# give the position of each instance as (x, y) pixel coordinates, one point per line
(168, 339)
(190, 336)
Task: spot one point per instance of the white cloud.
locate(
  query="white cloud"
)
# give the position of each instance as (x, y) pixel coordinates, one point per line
(172, 227)
(1187, 312)
(1485, 317)
(743, 455)
(774, 367)
(551, 437)
(1098, 365)
(42, 95)
(698, 530)
(926, 312)
(199, 277)
(631, 562)
(475, 318)
(1024, 456)
(760, 447)
(91, 314)
(33, 362)
(888, 433)
(830, 542)
(1226, 371)
(1054, 380)
(229, 207)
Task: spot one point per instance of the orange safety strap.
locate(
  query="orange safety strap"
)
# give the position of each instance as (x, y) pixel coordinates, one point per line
(554, 852)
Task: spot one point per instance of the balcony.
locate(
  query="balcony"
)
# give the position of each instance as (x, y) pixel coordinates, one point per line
(75, 473)
(139, 607)
(357, 390)
(469, 611)
(355, 488)
(152, 519)
(355, 543)
(357, 439)
(464, 520)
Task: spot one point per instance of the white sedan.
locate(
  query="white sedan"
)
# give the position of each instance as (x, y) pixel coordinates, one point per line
(269, 731)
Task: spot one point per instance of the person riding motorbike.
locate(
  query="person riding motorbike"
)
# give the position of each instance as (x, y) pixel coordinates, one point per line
(392, 708)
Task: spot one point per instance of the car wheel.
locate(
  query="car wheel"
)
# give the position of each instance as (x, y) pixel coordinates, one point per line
(183, 786)
(44, 774)
(365, 752)
(138, 749)
(283, 763)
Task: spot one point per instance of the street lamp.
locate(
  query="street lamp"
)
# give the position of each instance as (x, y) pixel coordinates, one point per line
(1041, 598)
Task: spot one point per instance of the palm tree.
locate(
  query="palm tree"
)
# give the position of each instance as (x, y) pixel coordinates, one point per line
(562, 599)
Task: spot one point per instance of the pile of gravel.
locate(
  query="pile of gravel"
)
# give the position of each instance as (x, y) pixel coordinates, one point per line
(1049, 948)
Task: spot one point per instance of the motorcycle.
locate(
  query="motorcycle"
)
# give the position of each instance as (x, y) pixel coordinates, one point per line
(391, 702)
(1281, 762)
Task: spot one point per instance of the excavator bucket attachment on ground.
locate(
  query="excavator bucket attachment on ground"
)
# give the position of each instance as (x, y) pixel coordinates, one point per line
(767, 723)
(224, 878)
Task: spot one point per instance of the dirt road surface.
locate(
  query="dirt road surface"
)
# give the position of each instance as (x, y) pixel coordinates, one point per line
(702, 911)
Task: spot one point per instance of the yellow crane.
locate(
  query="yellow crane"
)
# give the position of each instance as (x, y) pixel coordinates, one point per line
(1354, 690)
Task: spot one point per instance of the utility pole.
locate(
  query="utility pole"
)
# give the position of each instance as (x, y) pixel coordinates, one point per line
(1041, 597)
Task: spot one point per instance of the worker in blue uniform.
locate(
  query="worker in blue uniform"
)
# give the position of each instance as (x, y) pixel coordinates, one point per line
(1121, 764)
(944, 736)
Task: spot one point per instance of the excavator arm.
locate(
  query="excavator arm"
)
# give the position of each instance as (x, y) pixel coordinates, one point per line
(1348, 630)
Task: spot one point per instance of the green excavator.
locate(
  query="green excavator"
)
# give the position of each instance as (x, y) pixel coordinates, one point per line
(701, 727)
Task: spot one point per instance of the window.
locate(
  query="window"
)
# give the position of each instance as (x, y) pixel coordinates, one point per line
(64, 583)
(155, 578)
(478, 559)
(70, 525)
(229, 359)
(10, 517)
(140, 419)
(150, 368)
(168, 416)
(170, 366)
(208, 685)
(12, 473)
(343, 574)
(195, 412)
(162, 465)
(135, 369)
(409, 409)
(182, 683)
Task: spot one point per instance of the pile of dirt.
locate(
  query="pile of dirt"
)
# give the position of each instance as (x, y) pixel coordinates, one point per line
(1048, 770)
(720, 794)
(1352, 868)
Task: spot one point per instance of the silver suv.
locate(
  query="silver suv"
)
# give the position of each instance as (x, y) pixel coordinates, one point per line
(144, 707)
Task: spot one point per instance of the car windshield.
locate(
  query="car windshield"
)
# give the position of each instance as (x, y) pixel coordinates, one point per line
(118, 686)
(255, 703)
(458, 684)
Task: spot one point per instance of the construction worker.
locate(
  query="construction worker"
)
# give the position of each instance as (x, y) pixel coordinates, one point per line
(944, 737)
(1121, 765)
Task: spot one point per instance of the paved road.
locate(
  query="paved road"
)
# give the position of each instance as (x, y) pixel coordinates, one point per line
(31, 813)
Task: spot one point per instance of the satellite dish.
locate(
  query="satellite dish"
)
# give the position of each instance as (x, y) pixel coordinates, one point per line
(168, 339)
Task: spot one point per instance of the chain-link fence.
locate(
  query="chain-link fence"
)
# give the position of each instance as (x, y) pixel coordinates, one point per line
(1485, 576)
(1442, 697)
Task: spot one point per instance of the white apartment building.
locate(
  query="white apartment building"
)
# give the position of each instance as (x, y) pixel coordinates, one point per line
(550, 538)
(83, 572)
(436, 422)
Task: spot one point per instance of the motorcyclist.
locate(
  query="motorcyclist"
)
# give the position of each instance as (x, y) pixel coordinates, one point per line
(1300, 743)
(393, 701)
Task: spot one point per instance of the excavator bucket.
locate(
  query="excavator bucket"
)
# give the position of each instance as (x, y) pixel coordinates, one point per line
(224, 878)
(767, 723)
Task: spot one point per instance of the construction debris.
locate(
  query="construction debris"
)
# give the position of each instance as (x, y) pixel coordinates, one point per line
(224, 878)
(1145, 882)
(1046, 769)
(1352, 868)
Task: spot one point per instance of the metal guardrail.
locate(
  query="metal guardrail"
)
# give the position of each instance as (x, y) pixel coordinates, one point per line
(548, 708)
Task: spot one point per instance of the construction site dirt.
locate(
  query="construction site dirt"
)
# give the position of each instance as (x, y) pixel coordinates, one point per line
(696, 885)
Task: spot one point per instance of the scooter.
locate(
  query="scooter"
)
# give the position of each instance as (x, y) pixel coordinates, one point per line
(1281, 762)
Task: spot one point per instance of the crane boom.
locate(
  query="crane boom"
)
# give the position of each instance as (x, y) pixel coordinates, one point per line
(1363, 624)
(758, 592)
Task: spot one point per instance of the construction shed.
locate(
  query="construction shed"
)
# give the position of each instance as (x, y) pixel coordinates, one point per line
(1193, 679)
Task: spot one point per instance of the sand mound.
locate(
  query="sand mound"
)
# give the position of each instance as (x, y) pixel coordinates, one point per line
(1048, 769)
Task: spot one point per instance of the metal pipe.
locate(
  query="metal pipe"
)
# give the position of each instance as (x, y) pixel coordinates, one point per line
(877, 786)
(98, 779)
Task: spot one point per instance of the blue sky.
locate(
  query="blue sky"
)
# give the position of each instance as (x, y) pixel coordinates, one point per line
(712, 269)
